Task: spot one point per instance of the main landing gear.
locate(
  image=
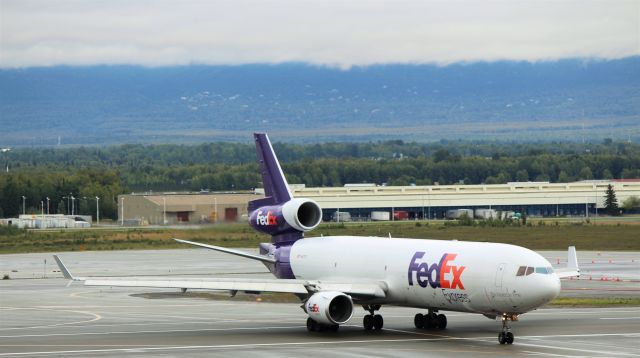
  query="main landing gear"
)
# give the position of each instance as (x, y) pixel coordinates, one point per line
(372, 321)
(313, 326)
(506, 337)
(430, 320)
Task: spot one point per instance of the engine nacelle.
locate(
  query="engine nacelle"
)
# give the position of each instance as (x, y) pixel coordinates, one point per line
(295, 215)
(329, 307)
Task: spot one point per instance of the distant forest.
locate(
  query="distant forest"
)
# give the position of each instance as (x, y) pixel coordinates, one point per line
(87, 172)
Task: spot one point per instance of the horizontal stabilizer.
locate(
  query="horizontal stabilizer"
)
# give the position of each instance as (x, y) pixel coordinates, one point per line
(265, 259)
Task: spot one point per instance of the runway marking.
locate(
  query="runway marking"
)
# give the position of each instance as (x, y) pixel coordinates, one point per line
(591, 351)
(158, 331)
(288, 344)
(223, 346)
(96, 317)
(619, 317)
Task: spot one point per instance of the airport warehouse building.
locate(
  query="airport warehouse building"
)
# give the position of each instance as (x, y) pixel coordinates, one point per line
(539, 199)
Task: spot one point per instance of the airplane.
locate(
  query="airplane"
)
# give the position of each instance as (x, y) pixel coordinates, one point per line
(333, 274)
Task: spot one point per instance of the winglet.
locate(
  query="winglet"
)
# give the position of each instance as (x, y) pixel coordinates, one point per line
(572, 269)
(572, 258)
(63, 269)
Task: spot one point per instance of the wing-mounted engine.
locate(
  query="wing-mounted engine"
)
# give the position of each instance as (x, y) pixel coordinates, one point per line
(296, 215)
(329, 307)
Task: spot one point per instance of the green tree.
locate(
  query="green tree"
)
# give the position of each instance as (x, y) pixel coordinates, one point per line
(610, 202)
(563, 177)
(586, 173)
(522, 175)
(631, 203)
(606, 174)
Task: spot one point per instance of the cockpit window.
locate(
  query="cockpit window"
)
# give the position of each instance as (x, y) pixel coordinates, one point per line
(544, 270)
(526, 271)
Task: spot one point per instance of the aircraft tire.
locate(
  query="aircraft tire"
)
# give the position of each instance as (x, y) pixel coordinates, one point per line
(367, 322)
(378, 322)
(502, 338)
(509, 338)
(418, 320)
(441, 321)
(312, 325)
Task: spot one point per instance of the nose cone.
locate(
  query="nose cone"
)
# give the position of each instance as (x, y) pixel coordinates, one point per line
(548, 289)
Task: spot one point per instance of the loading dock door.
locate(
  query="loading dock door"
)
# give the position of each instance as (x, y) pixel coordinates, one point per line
(231, 214)
(182, 216)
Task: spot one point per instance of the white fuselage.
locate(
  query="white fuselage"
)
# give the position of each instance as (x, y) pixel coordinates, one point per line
(448, 275)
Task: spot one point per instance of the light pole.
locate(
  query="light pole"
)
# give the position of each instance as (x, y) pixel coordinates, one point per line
(24, 201)
(41, 208)
(48, 205)
(164, 210)
(97, 211)
(72, 205)
(122, 210)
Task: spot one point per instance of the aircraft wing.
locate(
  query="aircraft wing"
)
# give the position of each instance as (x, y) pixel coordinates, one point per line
(302, 287)
(572, 269)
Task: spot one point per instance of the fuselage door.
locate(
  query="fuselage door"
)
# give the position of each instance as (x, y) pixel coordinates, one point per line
(500, 274)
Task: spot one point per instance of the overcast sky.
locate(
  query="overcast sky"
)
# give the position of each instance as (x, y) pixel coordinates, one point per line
(326, 32)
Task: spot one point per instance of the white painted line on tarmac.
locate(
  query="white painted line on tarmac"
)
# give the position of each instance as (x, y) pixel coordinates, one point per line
(223, 346)
(619, 317)
(156, 331)
(310, 343)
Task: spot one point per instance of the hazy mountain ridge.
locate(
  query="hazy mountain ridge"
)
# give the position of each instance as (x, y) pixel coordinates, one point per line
(568, 99)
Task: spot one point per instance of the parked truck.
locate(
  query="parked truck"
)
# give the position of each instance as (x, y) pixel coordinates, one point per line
(380, 216)
(458, 213)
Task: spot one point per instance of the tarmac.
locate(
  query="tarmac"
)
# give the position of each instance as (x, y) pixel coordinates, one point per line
(44, 317)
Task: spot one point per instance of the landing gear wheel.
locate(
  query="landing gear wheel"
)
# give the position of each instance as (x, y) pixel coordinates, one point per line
(429, 320)
(418, 320)
(372, 320)
(378, 322)
(506, 337)
(367, 322)
(441, 321)
(312, 325)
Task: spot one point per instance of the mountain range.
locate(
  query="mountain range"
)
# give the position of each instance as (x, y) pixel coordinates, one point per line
(567, 100)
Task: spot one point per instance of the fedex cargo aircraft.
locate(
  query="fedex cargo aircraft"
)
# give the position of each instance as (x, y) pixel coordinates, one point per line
(332, 275)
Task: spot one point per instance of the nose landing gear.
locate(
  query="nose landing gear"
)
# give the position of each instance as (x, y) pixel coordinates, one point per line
(506, 337)
(372, 321)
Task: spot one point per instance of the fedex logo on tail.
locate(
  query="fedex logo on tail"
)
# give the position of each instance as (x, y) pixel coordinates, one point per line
(269, 219)
(442, 274)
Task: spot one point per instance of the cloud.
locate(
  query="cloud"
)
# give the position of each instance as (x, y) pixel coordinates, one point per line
(329, 32)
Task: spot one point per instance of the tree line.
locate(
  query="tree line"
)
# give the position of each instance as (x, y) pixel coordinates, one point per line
(87, 172)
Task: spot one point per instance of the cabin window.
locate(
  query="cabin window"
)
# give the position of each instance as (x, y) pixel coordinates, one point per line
(521, 270)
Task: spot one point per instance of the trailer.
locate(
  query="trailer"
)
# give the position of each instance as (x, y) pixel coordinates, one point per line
(459, 213)
(380, 216)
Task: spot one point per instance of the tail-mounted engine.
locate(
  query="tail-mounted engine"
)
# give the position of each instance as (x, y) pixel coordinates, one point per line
(296, 215)
(329, 307)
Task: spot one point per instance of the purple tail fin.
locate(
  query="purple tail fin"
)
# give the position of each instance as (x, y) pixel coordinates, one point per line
(276, 189)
